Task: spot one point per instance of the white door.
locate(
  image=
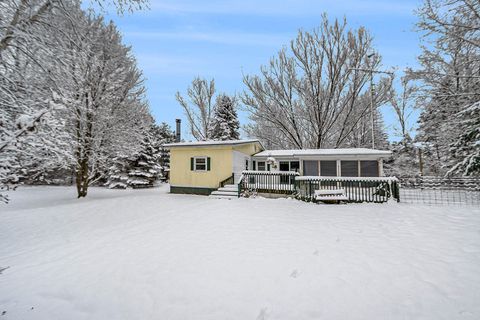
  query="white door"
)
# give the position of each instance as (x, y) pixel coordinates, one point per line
(239, 164)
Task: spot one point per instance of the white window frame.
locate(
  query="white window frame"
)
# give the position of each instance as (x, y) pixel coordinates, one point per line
(264, 163)
(195, 164)
(289, 164)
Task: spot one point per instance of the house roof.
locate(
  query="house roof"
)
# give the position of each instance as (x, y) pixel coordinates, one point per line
(211, 143)
(323, 152)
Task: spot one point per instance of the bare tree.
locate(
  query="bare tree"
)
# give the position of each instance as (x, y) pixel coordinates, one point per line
(402, 104)
(199, 109)
(455, 19)
(311, 96)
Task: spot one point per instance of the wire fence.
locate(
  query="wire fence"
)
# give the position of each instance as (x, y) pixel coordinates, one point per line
(463, 191)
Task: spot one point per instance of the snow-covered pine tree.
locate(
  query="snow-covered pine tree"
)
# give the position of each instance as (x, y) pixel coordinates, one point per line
(404, 160)
(438, 127)
(146, 167)
(466, 150)
(140, 170)
(225, 124)
(163, 134)
(449, 74)
(118, 173)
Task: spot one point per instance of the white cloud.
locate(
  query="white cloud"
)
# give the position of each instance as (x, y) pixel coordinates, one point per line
(286, 7)
(187, 66)
(155, 64)
(228, 38)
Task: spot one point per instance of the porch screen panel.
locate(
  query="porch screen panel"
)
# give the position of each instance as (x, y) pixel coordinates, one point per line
(369, 168)
(328, 168)
(295, 166)
(310, 168)
(284, 166)
(349, 168)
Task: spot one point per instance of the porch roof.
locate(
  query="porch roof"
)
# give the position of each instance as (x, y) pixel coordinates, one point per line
(324, 152)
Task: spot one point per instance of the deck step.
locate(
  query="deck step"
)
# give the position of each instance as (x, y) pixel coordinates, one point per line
(228, 189)
(221, 194)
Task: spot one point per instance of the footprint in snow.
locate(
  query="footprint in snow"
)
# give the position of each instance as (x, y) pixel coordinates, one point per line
(3, 269)
(316, 253)
(294, 273)
(262, 315)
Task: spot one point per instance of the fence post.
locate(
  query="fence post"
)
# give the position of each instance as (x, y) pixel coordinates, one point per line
(310, 189)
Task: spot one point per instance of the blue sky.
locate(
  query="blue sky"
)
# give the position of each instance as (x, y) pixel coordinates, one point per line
(177, 40)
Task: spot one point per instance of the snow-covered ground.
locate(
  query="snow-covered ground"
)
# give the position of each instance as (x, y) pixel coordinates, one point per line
(147, 254)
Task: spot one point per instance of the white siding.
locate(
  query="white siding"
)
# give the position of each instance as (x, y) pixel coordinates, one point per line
(239, 159)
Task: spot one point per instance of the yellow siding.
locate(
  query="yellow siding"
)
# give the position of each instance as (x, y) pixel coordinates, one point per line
(221, 164)
(249, 149)
(220, 167)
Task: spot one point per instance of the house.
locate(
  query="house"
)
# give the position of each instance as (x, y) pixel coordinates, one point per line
(200, 167)
(351, 162)
(205, 166)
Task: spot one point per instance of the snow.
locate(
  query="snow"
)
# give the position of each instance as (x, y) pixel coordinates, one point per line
(210, 143)
(327, 178)
(272, 173)
(322, 152)
(147, 254)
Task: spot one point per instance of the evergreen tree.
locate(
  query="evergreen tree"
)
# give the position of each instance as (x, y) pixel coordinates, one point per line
(163, 134)
(118, 173)
(404, 159)
(449, 74)
(145, 168)
(225, 123)
(466, 150)
(438, 127)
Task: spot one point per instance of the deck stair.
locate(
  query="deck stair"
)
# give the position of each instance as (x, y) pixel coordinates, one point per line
(228, 191)
(335, 195)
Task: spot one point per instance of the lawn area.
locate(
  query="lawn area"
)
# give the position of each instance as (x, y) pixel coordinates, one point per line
(148, 254)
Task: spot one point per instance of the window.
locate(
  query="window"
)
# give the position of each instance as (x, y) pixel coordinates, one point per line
(261, 165)
(289, 166)
(284, 166)
(328, 168)
(200, 163)
(369, 168)
(246, 164)
(349, 168)
(310, 168)
(295, 166)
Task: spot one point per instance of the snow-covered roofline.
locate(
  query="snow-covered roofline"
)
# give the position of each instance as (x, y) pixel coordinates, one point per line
(211, 143)
(320, 178)
(323, 152)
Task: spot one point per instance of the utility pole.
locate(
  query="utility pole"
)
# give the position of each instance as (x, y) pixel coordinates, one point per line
(420, 161)
(372, 117)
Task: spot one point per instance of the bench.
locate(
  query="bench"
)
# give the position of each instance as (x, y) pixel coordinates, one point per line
(336, 195)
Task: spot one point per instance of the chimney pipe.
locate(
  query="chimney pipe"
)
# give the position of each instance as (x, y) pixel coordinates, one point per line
(177, 131)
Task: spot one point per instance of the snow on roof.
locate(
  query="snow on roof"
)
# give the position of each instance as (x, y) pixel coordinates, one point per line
(211, 143)
(322, 152)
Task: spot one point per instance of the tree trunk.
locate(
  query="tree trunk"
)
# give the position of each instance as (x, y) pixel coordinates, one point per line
(82, 178)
